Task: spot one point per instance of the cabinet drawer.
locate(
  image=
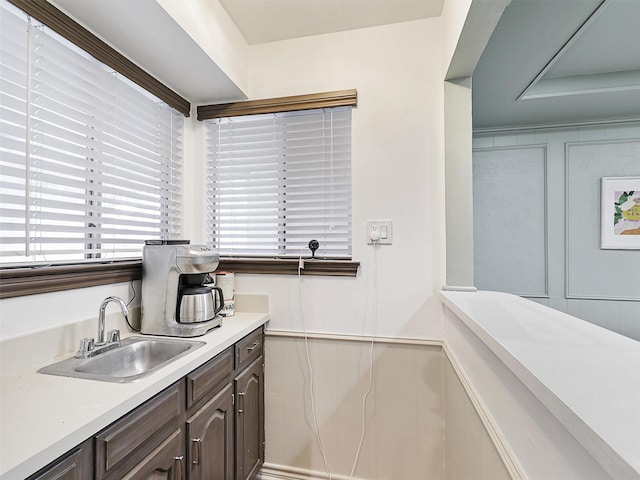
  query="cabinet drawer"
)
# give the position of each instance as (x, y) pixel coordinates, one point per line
(75, 465)
(249, 348)
(207, 380)
(126, 442)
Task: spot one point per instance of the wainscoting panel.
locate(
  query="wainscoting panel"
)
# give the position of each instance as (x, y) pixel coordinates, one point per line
(590, 269)
(469, 451)
(404, 409)
(599, 286)
(510, 220)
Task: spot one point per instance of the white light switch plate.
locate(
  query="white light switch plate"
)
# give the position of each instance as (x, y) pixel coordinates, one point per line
(383, 229)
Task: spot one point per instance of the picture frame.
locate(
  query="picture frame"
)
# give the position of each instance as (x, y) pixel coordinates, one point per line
(620, 214)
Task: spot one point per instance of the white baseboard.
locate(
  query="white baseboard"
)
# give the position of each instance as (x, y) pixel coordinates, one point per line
(271, 471)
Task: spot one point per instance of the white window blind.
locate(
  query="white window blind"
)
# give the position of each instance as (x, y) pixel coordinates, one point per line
(90, 163)
(277, 181)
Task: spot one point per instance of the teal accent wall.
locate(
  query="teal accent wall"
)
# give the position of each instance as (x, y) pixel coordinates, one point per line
(536, 200)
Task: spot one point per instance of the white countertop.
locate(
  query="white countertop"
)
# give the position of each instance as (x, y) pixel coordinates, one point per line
(588, 377)
(44, 416)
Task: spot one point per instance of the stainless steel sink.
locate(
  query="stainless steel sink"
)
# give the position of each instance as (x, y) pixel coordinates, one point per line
(135, 359)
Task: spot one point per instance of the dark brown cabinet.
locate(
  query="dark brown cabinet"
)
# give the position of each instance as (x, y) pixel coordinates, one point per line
(210, 424)
(248, 386)
(226, 435)
(249, 416)
(74, 465)
(127, 442)
(207, 426)
(210, 434)
(166, 462)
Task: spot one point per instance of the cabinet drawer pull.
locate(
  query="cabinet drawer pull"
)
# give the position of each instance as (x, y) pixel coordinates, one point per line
(240, 402)
(178, 461)
(253, 347)
(196, 451)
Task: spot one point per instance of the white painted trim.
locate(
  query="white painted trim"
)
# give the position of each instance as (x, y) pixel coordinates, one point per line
(553, 126)
(509, 460)
(584, 84)
(353, 338)
(272, 471)
(599, 9)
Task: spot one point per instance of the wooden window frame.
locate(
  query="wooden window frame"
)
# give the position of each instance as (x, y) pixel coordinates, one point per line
(21, 281)
(337, 98)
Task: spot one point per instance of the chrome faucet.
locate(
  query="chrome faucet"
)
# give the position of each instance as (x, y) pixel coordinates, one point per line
(103, 307)
(90, 347)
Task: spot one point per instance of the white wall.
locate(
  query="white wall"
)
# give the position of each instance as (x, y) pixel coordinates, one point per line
(458, 184)
(453, 16)
(396, 162)
(24, 315)
(397, 171)
(398, 174)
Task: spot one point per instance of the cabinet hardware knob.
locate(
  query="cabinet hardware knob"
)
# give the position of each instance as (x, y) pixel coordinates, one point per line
(197, 451)
(178, 461)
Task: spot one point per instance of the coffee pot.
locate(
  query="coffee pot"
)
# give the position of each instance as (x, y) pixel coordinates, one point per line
(199, 302)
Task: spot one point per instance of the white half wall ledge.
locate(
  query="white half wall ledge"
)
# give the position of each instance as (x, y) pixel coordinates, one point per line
(455, 288)
(576, 385)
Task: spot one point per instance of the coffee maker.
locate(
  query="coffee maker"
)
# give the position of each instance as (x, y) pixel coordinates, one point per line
(177, 299)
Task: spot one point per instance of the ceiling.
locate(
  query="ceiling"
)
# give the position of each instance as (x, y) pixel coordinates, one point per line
(560, 61)
(262, 21)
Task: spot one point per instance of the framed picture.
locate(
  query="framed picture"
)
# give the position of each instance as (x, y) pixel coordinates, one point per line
(620, 213)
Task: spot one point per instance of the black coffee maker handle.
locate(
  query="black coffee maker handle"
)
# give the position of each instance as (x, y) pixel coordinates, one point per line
(219, 290)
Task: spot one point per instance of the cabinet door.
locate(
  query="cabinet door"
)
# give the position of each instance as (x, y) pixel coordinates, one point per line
(76, 465)
(166, 462)
(249, 410)
(210, 439)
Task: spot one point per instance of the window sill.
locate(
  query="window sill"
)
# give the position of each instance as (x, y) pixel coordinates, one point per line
(17, 282)
(289, 266)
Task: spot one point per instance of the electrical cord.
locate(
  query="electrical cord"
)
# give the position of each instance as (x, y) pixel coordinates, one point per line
(128, 304)
(371, 364)
(310, 367)
(371, 347)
